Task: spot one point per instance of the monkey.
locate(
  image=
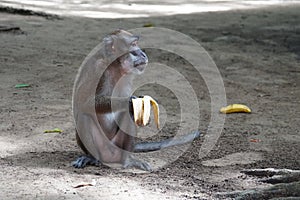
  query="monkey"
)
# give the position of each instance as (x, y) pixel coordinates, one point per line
(114, 141)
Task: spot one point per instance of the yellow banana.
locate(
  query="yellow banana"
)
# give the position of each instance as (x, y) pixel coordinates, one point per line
(141, 110)
(234, 108)
(155, 107)
(146, 110)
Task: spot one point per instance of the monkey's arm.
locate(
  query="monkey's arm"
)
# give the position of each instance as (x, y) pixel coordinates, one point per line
(107, 104)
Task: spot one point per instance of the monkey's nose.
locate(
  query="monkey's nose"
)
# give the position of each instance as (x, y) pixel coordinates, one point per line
(139, 52)
(144, 55)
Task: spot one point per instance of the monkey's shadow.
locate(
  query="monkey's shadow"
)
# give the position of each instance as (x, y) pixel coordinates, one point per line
(53, 160)
(60, 160)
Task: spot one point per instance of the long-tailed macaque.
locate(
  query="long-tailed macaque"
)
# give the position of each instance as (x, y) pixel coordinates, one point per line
(114, 108)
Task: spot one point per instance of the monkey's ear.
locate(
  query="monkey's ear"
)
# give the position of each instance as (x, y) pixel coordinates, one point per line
(109, 44)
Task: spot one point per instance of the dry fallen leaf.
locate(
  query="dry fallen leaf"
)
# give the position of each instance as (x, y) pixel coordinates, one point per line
(148, 25)
(84, 184)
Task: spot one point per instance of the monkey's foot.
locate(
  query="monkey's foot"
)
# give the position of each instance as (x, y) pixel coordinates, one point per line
(132, 162)
(285, 185)
(83, 161)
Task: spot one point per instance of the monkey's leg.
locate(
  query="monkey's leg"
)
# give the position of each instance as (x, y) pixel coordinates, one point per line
(126, 142)
(125, 139)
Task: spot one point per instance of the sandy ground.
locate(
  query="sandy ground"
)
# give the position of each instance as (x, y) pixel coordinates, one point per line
(257, 53)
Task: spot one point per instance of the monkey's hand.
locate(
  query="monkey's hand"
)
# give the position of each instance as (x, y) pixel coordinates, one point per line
(141, 110)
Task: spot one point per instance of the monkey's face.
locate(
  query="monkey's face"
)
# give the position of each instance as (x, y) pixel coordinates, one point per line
(135, 61)
(132, 60)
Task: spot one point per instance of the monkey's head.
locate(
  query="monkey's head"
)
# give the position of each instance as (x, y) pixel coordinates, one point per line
(124, 47)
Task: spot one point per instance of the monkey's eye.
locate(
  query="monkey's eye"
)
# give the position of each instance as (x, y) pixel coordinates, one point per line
(134, 43)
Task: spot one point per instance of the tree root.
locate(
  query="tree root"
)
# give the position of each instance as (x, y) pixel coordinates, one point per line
(286, 185)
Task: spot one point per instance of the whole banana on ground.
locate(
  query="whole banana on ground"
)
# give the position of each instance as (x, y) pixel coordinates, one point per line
(234, 108)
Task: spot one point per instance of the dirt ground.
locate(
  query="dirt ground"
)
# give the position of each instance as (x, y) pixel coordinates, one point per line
(257, 52)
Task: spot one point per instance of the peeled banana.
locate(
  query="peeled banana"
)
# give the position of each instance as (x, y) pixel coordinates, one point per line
(137, 105)
(235, 108)
(142, 110)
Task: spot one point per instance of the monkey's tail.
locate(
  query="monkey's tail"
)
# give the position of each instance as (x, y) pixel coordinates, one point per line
(154, 146)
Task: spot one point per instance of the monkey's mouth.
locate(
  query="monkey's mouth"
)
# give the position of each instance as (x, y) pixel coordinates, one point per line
(140, 64)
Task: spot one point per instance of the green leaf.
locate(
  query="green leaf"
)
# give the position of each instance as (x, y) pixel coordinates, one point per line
(22, 85)
(56, 130)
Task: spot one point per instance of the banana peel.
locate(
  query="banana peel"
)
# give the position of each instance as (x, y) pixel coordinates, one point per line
(142, 110)
(235, 108)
